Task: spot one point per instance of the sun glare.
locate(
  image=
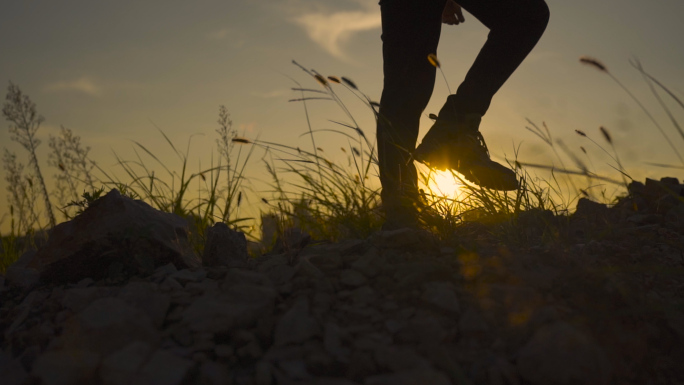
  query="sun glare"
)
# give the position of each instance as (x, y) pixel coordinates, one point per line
(445, 184)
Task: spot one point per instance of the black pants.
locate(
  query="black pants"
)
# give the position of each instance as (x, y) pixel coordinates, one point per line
(410, 32)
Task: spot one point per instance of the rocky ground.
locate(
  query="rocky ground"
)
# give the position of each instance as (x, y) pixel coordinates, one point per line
(594, 298)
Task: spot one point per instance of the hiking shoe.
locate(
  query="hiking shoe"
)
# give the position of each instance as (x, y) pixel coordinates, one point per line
(459, 145)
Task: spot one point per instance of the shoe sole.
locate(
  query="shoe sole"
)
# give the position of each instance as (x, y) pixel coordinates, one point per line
(481, 176)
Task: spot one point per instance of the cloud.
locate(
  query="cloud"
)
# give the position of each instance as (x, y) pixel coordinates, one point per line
(218, 34)
(84, 85)
(332, 30)
(270, 94)
(236, 38)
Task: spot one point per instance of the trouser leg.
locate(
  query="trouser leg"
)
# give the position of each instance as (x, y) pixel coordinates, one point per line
(410, 31)
(515, 28)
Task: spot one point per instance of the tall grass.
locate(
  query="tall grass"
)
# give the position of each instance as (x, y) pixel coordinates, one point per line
(312, 191)
(309, 188)
(209, 195)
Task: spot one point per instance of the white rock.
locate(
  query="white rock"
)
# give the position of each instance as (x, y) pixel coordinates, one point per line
(410, 377)
(213, 373)
(106, 325)
(263, 373)
(66, 367)
(145, 297)
(120, 367)
(22, 276)
(11, 371)
(165, 368)
(352, 278)
(442, 295)
(296, 325)
(559, 354)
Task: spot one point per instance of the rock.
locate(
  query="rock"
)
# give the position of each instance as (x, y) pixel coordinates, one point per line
(79, 298)
(145, 297)
(353, 246)
(113, 230)
(32, 300)
(296, 325)
(332, 341)
(212, 373)
(472, 323)
(405, 238)
(306, 269)
(294, 369)
(410, 377)
(352, 278)
(64, 367)
(12, 371)
(441, 295)
(120, 367)
(225, 247)
(411, 274)
(165, 368)
(263, 373)
(292, 239)
(332, 381)
(21, 275)
(591, 210)
(241, 306)
(238, 276)
(186, 275)
(106, 325)
(442, 359)
(422, 329)
(369, 264)
(399, 358)
(325, 262)
(560, 354)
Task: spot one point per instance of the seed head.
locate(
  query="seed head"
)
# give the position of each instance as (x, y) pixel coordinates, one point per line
(334, 79)
(321, 80)
(593, 62)
(580, 133)
(240, 140)
(433, 116)
(349, 83)
(432, 58)
(606, 134)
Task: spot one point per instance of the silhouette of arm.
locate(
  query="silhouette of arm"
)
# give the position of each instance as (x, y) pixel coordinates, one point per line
(452, 14)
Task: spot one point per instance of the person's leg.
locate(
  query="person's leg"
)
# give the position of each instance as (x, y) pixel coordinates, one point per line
(410, 32)
(515, 27)
(454, 141)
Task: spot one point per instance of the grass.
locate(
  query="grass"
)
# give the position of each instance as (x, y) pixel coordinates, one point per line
(308, 189)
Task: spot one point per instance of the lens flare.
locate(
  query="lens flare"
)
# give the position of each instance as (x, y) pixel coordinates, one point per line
(444, 183)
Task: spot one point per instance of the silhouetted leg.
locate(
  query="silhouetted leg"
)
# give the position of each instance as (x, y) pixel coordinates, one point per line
(410, 31)
(515, 27)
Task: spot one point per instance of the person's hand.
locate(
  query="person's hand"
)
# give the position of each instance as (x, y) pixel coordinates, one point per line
(452, 14)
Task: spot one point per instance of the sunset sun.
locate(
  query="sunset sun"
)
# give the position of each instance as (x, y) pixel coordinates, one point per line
(444, 183)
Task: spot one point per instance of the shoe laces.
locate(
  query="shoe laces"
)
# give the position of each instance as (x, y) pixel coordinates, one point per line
(479, 140)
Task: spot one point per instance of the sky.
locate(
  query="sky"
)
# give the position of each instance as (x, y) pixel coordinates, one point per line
(114, 71)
